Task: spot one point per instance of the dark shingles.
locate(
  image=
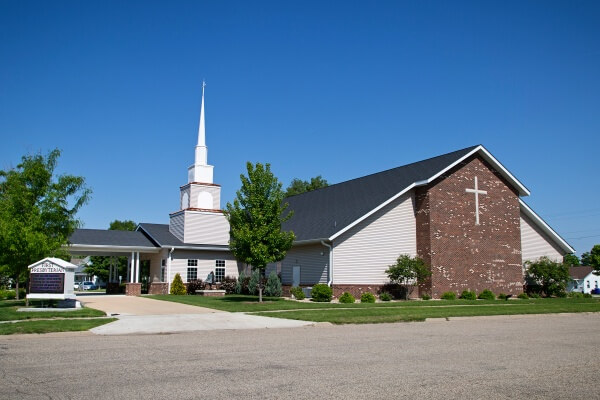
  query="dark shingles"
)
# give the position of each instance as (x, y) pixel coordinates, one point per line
(100, 237)
(579, 272)
(321, 213)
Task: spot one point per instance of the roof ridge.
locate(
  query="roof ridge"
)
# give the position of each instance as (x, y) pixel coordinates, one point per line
(389, 169)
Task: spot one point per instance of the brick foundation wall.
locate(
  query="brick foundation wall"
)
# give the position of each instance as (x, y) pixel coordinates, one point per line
(158, 288)
(133, 289)
(463, 255)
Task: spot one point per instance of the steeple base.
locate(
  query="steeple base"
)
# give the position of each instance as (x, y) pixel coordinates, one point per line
(200, 173)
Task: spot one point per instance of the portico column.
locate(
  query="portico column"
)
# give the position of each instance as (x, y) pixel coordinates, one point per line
(132, 275)
(137, 267)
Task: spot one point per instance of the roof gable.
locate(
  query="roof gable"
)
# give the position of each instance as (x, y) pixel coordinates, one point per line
(580, 272)
(328, 212)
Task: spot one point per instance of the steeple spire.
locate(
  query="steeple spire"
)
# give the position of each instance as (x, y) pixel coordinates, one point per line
(201, 171)
(201, 127)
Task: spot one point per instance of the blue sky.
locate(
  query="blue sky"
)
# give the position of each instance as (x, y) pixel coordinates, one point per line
(342, 89)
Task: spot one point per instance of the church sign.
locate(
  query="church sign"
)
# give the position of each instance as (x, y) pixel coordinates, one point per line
(51, 278)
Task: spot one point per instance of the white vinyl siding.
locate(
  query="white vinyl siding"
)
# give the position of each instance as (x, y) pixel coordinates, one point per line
(362, 254)
(215, 192)
(206, 263)
(206, 228)
(535, 243)
(313, 265)
(176, 225)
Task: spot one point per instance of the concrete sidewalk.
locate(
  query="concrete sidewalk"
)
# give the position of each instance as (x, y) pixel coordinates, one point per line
(155, 324)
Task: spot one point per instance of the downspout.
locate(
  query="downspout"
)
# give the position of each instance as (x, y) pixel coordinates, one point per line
(169, 270)
(330, 272)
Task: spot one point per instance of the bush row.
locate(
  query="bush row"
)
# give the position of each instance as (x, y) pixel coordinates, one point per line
(11, 294)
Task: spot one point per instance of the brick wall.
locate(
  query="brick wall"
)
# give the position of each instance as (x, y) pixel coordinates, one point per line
(464, 255)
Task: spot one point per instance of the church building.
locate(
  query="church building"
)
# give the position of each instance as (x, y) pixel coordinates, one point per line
(462, 212)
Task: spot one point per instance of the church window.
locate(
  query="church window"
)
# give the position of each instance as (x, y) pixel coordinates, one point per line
(192, 274)
(588, 284)
(596, 284)
(192, 263)
(219, 270)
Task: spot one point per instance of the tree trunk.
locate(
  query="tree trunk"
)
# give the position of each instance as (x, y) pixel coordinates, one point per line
(17, 289)
(260, 293)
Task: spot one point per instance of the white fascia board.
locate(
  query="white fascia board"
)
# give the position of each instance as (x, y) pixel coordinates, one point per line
(373, 211)
(308, 241)
(545, 227)
(197, 248)
(111, 248)
(523, 191)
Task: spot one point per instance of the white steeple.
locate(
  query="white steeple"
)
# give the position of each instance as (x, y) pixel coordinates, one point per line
(201, 171)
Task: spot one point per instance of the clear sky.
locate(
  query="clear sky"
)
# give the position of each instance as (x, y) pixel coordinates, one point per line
(342, 89)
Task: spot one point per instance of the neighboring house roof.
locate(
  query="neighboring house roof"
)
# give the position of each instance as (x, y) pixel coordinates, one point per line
(327, 212)
(160, 234)
(580, 272)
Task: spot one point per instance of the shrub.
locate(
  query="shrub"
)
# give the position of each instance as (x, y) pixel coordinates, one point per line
(367, 297)
(273, 286)
(228, 284)
(523, 296)
(385, 296)
(502, 296)
(22, 293)
(534, 295)
(254, 282)
(347, 298)
(10, 295)
(177, 287)
(193, 285)
(558, 293)
(487, 294)
(587, 296)
(576, 295)
(297, 292)
(448, 296)
(241, 286)
(468, 295)
(321, 292)
(550, 275)
(426, 297)
(397, 291)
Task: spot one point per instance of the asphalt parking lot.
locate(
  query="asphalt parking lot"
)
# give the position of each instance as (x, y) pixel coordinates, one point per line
(534, 357)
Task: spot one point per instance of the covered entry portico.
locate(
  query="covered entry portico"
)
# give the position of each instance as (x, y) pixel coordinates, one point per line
(132, 244)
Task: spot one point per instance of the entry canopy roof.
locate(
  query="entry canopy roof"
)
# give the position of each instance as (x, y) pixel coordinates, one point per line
(107, 242)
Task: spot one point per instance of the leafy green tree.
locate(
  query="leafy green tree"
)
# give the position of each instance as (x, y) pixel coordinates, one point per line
(550, 275)
(298, 186)
(37, 212)
(407, 271)
(593, 258)
(100, 265)
(255, 219)
(571, 260)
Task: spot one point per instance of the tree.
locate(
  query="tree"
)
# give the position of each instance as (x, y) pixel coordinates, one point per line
(407, 271)
(570, 260)
(177, 287)
(298, 186)
(593, 258)
(100, 265)
(550, 275)
(255, 219)
(37, 212)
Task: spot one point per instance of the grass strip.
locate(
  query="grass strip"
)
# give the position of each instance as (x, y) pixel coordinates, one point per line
(46, 326)
(405, 314)
(8, 312)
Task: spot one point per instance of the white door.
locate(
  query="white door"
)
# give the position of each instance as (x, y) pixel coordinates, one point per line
(296, 275)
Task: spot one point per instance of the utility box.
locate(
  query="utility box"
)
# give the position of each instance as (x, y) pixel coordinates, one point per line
(307, 291)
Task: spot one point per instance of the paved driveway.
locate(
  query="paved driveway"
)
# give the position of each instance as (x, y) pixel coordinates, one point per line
(131, 305)
(149, 316)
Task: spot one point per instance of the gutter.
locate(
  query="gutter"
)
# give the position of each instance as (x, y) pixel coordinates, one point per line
(330, 272)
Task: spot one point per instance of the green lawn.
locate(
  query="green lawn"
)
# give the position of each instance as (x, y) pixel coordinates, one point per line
(47, 321)
(385, 312)
(8, 312)
(45, 326)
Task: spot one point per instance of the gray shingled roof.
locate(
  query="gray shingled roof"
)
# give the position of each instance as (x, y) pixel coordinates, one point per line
(321, 213)
(160, 233)
(101, 237)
